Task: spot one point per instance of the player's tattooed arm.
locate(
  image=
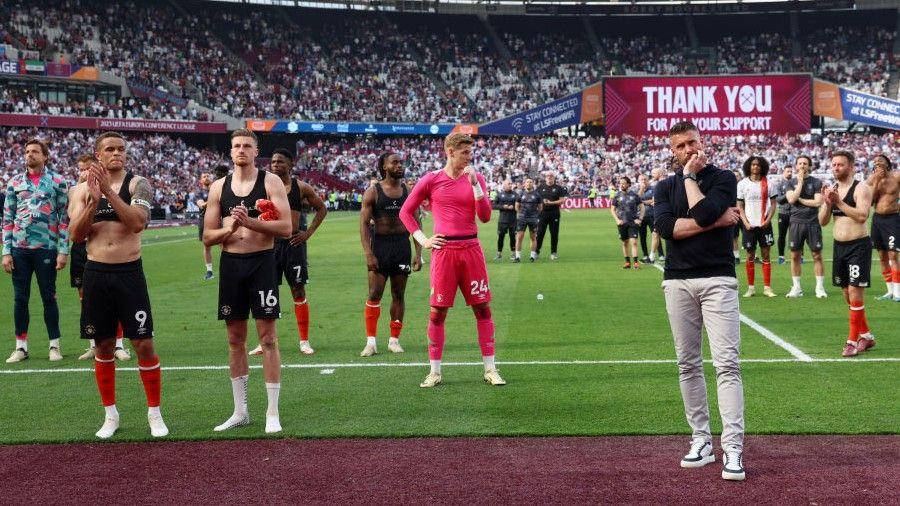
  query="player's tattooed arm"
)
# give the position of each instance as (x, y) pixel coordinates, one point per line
(134, 214)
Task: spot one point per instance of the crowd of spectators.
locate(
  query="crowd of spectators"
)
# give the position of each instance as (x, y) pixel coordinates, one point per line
(360, 66)
(20, 101)
(174, 166)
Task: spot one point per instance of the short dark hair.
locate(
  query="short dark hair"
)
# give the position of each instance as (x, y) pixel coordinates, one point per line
(682, 127)
(846, 154)
(763, 164)
(808, 159)
(221, 171)
(627, 179)
(243, 132)
(107, 135)
(42, 144)
(886, 159)
(284, 152)
(382, 159)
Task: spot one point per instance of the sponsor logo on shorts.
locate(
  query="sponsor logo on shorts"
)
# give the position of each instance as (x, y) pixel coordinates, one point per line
(226, 310)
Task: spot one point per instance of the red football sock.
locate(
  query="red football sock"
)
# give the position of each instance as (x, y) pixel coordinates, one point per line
(860, 310)
(767, 274)
(105, 372)
(751, 272)
(857, 317)
(119, 332)
(887, 275)
(396, 327)
(301, 310)
(151, 376)
(372, 312)
(896, 275)
(436, 335)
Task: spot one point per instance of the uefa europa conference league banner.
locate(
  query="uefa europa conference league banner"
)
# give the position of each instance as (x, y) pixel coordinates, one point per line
(717, 105)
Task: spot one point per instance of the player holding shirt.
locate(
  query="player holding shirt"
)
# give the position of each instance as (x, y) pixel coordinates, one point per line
(386, 245)
(849, 202)
(528, 206)
(111, 211)
(885, 184)
(290, 254)
(505, 202)
(247, 269)
(756, 203)
(457, 195)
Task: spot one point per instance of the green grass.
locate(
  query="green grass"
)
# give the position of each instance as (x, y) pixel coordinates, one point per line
(592, 311)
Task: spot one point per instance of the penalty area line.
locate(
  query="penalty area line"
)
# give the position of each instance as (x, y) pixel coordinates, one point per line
(795, 352)
(365, 365)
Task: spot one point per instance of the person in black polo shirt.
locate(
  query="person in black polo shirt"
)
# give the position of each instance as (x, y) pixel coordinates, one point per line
(696, 215)
(553, 196)
(505, 202)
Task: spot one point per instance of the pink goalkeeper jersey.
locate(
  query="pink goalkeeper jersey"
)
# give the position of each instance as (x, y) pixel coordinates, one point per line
(452, 203)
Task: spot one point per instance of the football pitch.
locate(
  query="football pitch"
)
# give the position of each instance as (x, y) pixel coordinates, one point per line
(594, 357)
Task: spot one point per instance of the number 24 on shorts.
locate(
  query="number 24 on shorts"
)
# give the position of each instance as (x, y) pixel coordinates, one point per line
(267, 299)
(479, 287)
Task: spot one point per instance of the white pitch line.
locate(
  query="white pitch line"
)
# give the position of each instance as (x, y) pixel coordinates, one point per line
(368, 365)
(797, 353)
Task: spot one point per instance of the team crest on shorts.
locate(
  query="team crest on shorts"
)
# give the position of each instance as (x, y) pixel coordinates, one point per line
(90, 330)
(837, 280)
(226, 310)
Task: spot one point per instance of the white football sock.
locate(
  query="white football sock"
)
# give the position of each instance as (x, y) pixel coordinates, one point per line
(489, 363)
(22, 343)
(120, 342)
(435, 366)
(239, 391)
(371, 341)
(272, 390)
(796, 280)
(209, 267)
(54, 343)
(820, 282)
(111, 411)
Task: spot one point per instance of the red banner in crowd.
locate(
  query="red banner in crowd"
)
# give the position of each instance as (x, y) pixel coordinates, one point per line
(83, 123)
(717, 105)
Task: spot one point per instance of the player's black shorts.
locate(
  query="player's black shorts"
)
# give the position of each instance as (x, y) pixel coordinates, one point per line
(531, 225)
(761, 236)
(77, 259)
(393, 254)
(810, 233)
(629, 231)
(290, 263)
(852, 262)
(115, 293)
(503, 227)
(886, 231)
(247, 281)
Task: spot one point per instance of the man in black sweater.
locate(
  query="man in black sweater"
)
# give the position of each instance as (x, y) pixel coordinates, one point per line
(696, 215)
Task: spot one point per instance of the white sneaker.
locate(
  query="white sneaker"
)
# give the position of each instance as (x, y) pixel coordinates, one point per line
(394, 347)
(236, 420)
(553, 256)
(733, 465)
(767, 291)
(110, 426)
(157, 426)
(492, 376)
(256, 351)
(794, 293)
(700, 454)
(820, 294)
(18, 355)
(88, 354)
(273, 424)
(368, 351)
(751, 291)
(305, 348)
(432, 380)
(55, 355)
(122, 354)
